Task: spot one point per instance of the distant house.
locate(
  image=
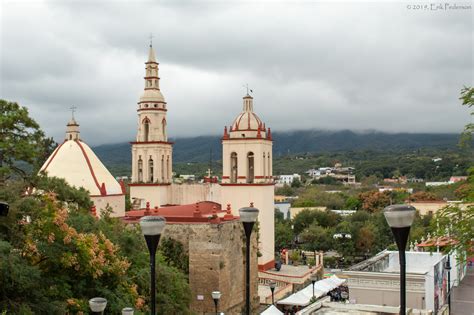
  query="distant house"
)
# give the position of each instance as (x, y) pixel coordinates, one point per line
(338, 172)
(288, 179)
(436, 159)
(456, 179)
(433, 184)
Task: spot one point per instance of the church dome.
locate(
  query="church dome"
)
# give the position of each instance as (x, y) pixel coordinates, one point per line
(152, 95)
(75, 162)
(247, 124)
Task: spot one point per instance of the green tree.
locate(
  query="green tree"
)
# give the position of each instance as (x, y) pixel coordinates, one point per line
(285, 191)
(283, 236)
(316, 237)
(467, 98)
(23, 146)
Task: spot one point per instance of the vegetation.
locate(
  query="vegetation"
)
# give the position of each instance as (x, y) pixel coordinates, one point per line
(55, 256)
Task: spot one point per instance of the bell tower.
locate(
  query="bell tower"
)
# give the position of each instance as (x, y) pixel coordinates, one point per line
(247, 174)
(151, 151)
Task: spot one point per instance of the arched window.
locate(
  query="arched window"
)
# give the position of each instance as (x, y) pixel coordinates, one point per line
(162, 168)
(269, 165)
(233, 167)
(168, 168)
(264, 169)
(146, 129)
(163, 127)
(150, 170)
(140, 169)
(250, 167)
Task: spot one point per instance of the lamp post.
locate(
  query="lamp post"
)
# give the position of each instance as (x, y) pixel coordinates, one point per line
(314, 278)
(272, 286)
(152, 226)
(127, 311)
(97, 305)
(400, 219)
(248, 216)
(216, 295)
(448, 269)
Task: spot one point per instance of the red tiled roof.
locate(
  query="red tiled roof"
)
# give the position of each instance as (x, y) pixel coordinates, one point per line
(200, 212)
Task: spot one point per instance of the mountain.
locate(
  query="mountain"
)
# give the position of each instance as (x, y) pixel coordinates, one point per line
(197, 149)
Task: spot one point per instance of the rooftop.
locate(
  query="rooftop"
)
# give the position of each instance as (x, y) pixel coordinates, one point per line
(387, 261)
(199, 212)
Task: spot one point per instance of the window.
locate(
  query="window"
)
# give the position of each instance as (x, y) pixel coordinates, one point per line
(233, 167)
(250, 167)
(264, 169)
(269, 165)
(146, 129)
(162, 168)
(150, 170)
(140, 169)
(163, 126)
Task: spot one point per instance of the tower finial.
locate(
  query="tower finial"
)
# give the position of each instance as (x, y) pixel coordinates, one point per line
(247, 87)
(151, 40)
(73, 110)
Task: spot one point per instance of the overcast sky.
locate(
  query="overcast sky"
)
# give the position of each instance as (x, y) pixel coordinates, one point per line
(322, 65)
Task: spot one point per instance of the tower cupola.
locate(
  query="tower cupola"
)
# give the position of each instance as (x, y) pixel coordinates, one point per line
(72, 130)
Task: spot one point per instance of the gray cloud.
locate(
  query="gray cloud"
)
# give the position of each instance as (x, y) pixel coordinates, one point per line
(359, 65)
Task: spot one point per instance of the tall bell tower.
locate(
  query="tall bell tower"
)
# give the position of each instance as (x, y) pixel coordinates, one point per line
(151, 151)
(247, 174)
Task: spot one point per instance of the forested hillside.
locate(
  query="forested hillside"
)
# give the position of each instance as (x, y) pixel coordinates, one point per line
(197, 149)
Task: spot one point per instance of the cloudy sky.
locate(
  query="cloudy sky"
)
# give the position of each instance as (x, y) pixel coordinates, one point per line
(357, 65)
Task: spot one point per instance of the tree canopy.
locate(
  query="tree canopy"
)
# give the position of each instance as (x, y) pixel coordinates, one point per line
(23, 145)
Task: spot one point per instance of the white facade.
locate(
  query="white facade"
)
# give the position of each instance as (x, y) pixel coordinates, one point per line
(247, 164)
(75, 162)
(288, 179)
(152, 154)
(376, 280)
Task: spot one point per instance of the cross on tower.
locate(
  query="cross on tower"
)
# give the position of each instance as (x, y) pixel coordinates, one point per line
(73, 109)
(247, 87)
(151, 39)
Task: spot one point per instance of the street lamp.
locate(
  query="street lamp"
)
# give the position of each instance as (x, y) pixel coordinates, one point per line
(400, 219)
(152, 226)
(272, 285)
(448, 269)
(127, 311)
(97, 305)
(216, 295)
(248, 216)
(314, 278)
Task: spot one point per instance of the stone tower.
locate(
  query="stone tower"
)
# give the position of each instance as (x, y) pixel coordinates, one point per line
(151, 152)
(247, 174)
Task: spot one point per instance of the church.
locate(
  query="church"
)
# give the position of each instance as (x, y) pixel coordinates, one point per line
(247, 164)
(76, 163)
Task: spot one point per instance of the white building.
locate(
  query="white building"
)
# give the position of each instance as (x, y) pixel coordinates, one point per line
(287, 179)
(376, 280)
(247, 174)
(75, 162)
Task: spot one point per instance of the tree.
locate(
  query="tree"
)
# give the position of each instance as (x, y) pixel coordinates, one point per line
(283, 236)
(467, 98)
(64, 256)
(317, 238)
(23, 145)
(285, 191)
(422, 196)
(374, 201)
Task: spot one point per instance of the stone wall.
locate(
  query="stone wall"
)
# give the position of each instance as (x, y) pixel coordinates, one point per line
(217, 263)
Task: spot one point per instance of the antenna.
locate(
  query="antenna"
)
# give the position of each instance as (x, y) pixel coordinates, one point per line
(151, 39)
(73, 109)
(247, 87)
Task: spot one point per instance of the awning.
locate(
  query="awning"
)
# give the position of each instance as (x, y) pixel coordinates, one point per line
(272, 310)
(321, 288)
